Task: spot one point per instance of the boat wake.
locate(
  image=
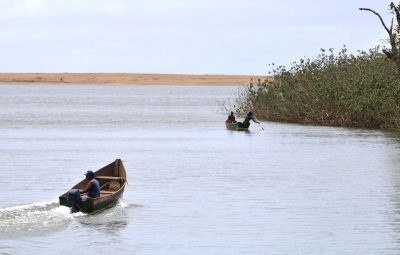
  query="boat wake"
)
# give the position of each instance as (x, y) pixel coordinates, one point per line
(36, 218)
(43, 218)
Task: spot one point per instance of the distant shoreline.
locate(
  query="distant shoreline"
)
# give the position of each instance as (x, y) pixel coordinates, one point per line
(124, 79)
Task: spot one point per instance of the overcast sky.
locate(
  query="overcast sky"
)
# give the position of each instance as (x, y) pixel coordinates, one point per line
(179, 36)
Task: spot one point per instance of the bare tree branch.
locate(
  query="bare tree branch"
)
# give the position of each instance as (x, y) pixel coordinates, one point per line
(387, 53)
(396, 10)
(393, 53)
(379, 16)
(391, 26)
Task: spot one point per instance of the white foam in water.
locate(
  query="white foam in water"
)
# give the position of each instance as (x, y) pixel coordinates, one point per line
(28, 206)
(41, 217)
(33, 218)
(123, 204)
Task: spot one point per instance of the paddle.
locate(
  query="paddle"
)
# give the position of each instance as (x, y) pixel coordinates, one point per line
(256, 121)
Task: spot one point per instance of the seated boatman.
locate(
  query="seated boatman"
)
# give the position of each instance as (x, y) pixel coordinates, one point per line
(231, 118)
(93, 186)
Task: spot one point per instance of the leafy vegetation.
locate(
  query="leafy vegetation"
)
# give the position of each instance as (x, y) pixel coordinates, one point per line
(361, 90)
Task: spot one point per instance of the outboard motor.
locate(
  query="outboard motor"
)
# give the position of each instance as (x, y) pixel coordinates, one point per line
(74, 196)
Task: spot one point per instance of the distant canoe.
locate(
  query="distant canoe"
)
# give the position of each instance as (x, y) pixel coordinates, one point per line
(112, 179)
(235, 126)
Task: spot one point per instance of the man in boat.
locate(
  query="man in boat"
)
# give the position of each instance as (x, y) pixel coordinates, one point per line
(93, 187)
(231, 118)
(246, 122)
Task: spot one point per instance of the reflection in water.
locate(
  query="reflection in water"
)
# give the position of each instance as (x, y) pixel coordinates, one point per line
(107, 227)
(110, 220)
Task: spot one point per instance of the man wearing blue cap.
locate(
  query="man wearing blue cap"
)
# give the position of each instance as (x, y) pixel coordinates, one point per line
(93, 186)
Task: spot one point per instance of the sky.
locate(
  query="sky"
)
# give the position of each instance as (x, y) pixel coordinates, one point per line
(179, 36)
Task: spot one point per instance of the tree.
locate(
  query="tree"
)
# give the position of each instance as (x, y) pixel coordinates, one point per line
(394, 52)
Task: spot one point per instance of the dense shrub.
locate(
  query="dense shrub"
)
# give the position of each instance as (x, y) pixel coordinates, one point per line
(361, 90)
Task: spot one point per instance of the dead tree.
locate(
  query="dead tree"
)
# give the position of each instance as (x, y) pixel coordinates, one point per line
(394, 52)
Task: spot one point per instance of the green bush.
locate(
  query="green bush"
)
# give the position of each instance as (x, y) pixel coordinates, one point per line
(361, 90)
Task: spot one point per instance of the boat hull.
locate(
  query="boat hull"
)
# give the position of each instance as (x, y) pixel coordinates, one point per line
(114, 172)
(235, 126)
(93, 204)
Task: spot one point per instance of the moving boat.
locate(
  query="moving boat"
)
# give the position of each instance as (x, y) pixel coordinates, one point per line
(232, 124)
(112, 179)
(235, 126)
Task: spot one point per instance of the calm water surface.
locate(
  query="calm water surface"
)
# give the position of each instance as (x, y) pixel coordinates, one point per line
(194, 187)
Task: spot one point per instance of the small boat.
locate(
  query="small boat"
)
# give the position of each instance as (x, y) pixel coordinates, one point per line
(235, 126)
(112, 179)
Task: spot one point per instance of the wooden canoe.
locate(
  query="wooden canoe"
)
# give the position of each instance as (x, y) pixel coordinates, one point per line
(235, 126)
(112, 179)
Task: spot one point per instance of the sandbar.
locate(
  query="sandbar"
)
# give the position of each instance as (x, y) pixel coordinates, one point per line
(126, 79)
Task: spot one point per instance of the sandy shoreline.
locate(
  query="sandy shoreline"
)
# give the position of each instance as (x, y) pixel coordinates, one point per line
(124, 79)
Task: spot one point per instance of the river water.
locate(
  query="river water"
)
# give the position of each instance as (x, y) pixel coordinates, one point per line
(194, 187)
